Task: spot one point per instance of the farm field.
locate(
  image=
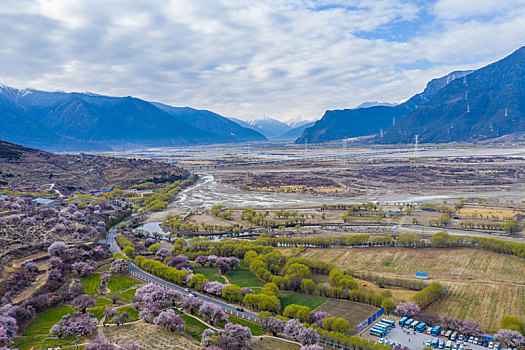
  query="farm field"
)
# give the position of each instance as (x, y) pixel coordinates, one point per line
(312, 301)
(354, 313)
(244, 278)
(441, 264)
(482, 285)
(211, 273)
(118, 283)
(483, 302)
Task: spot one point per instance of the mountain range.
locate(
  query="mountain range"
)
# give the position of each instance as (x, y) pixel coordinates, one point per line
(82, 121)
(486, 104)
(478, 105)
(374, 117)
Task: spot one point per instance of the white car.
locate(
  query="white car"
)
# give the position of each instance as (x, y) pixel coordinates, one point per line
(429, 330)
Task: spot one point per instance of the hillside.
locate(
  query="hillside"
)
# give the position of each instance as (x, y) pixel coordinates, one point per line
(295, 132)
(80, 121)
(30, 169)
(346, 123)
(486, 104)
(269, 127)
(212, 122)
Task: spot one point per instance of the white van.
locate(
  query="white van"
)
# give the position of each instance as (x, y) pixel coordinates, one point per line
(449, 344)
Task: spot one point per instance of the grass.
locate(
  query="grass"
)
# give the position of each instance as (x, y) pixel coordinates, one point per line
(354, 313)
(38, 342)
(118, 283)
(102, 301)
(312, 301)
(194, 327)
(211, 273)
(128, 295)
(133, 313)
(44, 321)
(91, 283)
(273, 344)
(98, 312)
(254, 327)
(244, 278)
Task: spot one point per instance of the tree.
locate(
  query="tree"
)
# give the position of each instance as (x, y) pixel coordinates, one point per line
(307, 336)
(75, 324)
(307, 286)
(408, 308)
(274, 326)
(318, 317)
(163, 253)
(179, 262)
(213, 287)
(234, 337)
(246, 290)
(57, 248)
(213, 312)
(29, 266)
(298, 270)
(232, 292)
(100, 344)
(83, 302)
(169, 320)
(8, 329)
(226, 264)
(510, 338)
(311, 347)
(191, 303)
(201, 260)
(513, 323)
(197, 281)
(388, 305)
(440, 239)
(470, 327)
(118, 265)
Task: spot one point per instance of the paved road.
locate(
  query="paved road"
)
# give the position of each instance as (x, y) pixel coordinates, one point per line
(147, 277)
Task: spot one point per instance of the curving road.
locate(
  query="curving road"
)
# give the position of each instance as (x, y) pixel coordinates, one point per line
(136, 271)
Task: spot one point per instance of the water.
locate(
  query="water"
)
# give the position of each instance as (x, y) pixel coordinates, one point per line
(154, 228)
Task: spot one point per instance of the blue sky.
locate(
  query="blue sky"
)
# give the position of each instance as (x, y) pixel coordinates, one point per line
(249, 59)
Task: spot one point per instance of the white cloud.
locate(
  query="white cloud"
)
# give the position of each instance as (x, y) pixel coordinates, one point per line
(244, 58)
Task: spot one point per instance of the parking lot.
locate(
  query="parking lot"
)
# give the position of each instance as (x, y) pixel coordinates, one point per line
(417, 341)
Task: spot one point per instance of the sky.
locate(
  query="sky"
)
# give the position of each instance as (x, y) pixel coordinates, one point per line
(252, 59)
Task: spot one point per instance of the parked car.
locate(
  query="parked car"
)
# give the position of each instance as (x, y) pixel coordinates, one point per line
(441, 344)
(381, 340)
(429, 330)
(429, 343)
(443, 332)
(491, 345)
(460, 337)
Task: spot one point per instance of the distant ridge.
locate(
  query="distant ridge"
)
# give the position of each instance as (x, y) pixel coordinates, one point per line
(79, 122)
(349, 123)
(488, 103)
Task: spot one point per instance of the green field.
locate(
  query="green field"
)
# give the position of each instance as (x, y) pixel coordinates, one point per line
(254, 327)
(98, 312)
(44, 321)
(244, 278)
(128, 295)
(91, 283)
(211, 273)
(118, 283)
(194, 327)
(133, 313)
(102, 301)
(313, 302)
